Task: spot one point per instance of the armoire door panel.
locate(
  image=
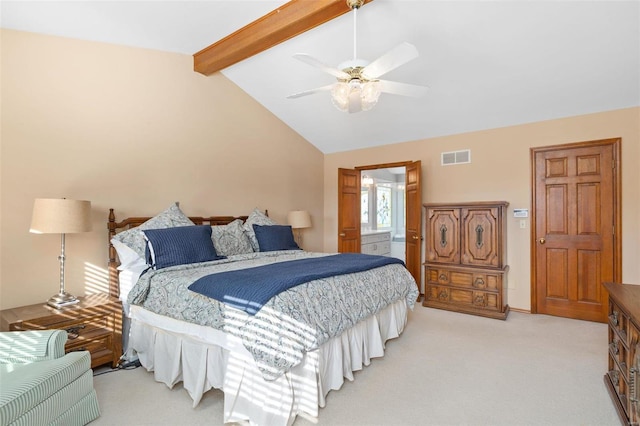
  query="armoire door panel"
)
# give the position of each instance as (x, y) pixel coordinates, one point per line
(444, 236)
(480, 237)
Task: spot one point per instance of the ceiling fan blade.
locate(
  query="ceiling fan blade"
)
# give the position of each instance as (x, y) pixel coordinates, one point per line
(310, 92)
(399, 55)
(324, 67)
(402, 89)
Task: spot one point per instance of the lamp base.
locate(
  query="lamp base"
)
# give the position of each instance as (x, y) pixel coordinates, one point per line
(61, 300)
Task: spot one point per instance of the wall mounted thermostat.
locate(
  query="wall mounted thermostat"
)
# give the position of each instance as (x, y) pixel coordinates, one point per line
(520, 212)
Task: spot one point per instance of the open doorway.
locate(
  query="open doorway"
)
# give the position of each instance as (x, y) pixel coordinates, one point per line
(382, 212)
(350, 201)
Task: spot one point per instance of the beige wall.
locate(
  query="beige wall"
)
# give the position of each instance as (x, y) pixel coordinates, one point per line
(137, 129)
(500, 170)
(132, 129)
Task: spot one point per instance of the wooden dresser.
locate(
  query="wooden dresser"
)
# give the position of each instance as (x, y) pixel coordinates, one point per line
(94, 324)
(465, 258)
(623, 375)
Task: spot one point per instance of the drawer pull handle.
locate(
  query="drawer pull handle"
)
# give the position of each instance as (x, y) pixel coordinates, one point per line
(479, 232)
(615, 377)
(479, 282)
(442, 277)
(443, 236)
(480, 300)
(614, 318)
(443, 295)
(74, 332)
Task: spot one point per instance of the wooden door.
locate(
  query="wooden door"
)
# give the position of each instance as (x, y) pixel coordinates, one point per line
(413, 221)
(576, 215)
(480, 236)
(348, 211)
(443, 233)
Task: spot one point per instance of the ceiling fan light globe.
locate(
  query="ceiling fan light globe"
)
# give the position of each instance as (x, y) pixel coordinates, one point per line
(366, 106)
(355, 95)
(370, 92)
(340, 96)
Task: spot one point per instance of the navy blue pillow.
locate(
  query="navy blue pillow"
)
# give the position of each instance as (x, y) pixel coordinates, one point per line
(179, 246)
(275, 237)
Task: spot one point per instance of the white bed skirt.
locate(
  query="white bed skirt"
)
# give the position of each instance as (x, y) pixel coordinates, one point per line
(204, 358)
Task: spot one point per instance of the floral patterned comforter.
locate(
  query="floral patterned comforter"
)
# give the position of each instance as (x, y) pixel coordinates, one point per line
(291, 323)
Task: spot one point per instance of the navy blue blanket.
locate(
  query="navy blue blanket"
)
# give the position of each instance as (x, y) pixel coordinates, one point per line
(249, 289)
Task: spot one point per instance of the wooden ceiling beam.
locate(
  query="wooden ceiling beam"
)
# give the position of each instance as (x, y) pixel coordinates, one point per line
(281, 24)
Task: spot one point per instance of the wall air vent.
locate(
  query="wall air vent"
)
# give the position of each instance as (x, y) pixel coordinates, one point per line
(455, 157)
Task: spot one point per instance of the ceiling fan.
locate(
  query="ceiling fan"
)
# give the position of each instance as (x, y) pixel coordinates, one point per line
(358, 87)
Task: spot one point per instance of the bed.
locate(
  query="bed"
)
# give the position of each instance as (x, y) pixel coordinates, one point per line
(275, 358)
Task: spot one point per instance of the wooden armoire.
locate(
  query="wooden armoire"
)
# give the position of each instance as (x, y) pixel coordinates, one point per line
(465, 259)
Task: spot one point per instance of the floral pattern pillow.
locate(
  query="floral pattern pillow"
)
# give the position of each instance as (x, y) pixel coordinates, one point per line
(170, 218)
(231, 239)
(258, 218)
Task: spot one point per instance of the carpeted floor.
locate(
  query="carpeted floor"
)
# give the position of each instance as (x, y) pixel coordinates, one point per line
(446, 369)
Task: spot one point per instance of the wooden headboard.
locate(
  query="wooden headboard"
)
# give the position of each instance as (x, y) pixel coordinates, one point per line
(132, 222)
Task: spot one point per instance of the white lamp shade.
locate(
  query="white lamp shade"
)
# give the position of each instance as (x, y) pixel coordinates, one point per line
(60, 216)
(299, 219)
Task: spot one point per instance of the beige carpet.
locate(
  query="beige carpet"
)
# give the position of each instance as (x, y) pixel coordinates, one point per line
(446, 369)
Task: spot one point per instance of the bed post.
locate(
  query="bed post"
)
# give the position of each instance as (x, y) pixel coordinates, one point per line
(114, 286)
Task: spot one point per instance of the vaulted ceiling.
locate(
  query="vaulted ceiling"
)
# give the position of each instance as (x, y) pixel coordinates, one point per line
(488, 64)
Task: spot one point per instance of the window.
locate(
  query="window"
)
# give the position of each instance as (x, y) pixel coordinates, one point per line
(383, 201)
(364, 207)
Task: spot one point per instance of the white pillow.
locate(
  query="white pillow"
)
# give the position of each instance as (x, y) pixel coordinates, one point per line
(127, 256)
(127, 278)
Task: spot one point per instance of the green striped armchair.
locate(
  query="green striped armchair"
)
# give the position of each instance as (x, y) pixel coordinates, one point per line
(40, 385)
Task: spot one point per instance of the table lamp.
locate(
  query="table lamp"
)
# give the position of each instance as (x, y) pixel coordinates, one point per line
(299, 219)
(61, 216)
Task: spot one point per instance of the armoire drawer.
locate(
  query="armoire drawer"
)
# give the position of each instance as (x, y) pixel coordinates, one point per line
(463, 297)
(618, 352)
(618, 321)
(479, 280)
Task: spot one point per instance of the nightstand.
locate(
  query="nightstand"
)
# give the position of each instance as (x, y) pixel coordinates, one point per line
(94, 324)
